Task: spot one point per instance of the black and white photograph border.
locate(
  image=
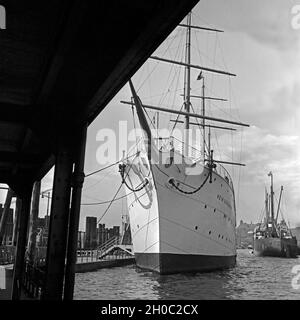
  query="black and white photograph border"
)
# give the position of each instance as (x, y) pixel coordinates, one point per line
(149, 151)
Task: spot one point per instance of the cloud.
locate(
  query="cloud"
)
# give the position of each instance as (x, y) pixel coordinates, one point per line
(267, 22)
(263, 152)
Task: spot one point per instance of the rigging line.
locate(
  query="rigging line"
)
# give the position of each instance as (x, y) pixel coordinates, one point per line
(217, 141)
(167, 93)
(169, 75)
(175, 123)
(177, 83)
(113, 199)
(136, 199)
(154, 68)
(241, 151)
(162, 93)
(105, 202)
(179, 33)
(132, 109)
(200, 130)
(173, 102)
(98, 181)
(227, 113)
(113, 164)
(214, 59)
(111, 202)
(149, 117)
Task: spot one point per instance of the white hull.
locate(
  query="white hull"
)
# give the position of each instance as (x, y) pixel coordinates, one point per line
(176, 232)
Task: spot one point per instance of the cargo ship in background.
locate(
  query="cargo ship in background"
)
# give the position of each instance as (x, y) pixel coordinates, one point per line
(270, 237)
(182, 210)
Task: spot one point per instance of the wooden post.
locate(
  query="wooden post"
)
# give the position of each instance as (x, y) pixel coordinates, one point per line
(57, 236)
(16, 220)
(21, 243)
(33, 220)
(5, 213)
(78, 179)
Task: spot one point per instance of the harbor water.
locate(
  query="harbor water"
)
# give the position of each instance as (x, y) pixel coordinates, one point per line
(252, 278)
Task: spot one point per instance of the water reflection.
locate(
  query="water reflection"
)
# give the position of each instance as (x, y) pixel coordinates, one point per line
(252, 278)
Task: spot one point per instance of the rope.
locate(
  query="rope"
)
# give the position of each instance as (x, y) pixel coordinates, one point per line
(113, 199)
(94, 172)
(171, 181)
(103, 202)
(138, 189)
(122, 171)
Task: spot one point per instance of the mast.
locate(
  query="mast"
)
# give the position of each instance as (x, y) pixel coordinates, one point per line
(272, 199)
(209, 145)
(281, 189)
(267, 206)
(187, 82)
(203, 120)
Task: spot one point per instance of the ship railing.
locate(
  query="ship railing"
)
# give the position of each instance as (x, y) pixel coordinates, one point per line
(195, 154)
(33, 277)
(224, 174)
(108, 245)
(168, 143)
(33, 280)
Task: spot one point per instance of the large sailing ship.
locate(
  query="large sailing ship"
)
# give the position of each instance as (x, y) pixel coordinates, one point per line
(181, 200)
(270, 237)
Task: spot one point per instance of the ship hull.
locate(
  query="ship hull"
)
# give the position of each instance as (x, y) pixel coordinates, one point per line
(275, 247)
(174, 232)
(168, 263)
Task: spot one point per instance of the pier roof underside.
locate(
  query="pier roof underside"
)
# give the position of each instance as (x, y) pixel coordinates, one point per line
(61, 62)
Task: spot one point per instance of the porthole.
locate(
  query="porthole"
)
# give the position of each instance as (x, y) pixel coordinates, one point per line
(215, 210)
(209, 232)
(196, 227)
(219, 235)
(205, 206)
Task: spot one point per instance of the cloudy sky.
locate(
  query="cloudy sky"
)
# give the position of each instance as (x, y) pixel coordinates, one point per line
(260, 46)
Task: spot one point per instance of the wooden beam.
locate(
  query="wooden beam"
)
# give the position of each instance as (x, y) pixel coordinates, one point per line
(168, 15)
(21, 243)
(77, 181)
(58, 230)
(33, 221)
(5, 213)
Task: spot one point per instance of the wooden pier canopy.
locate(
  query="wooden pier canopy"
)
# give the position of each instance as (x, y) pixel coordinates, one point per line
(61, 62)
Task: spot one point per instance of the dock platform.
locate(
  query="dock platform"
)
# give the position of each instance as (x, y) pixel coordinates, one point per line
(95, 265)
